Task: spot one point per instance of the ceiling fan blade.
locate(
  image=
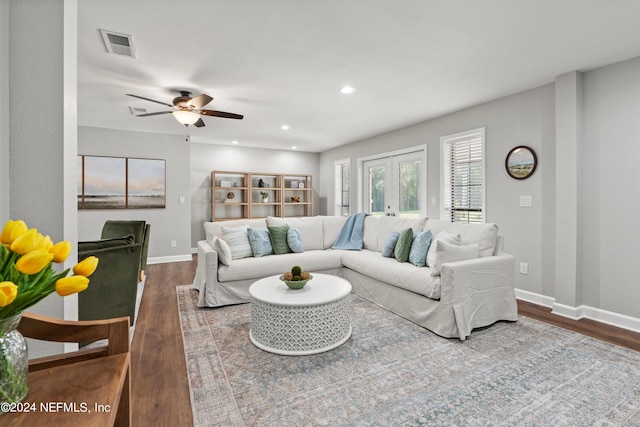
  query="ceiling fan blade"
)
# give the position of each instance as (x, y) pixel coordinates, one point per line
(199, 123)
(154, 114)
(200, 101)
(221, 114)
(151, 100)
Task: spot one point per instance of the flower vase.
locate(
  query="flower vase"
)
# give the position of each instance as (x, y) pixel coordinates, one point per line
(265, 200)
(14, 362)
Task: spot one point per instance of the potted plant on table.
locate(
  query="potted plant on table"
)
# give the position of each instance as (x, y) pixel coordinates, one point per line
(26, 277)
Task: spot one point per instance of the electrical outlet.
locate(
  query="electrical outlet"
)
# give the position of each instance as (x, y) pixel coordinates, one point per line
(524, 268)
(181, 200)
(174, 243)
(525, 201)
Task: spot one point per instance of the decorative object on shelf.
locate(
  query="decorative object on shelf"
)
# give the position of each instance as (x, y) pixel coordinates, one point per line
(521, 162)
(261, 183)
(295, 199)
(264, 196)
(27, 277)
(236, 184)
(301, 184)
(294, 184)
(296, 278)
(225, 183)
(231, 195)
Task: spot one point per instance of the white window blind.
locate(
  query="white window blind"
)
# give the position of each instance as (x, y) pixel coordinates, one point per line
(342, 187)
(463, 176)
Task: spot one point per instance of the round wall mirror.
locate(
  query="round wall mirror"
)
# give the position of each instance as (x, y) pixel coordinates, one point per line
(521, 162)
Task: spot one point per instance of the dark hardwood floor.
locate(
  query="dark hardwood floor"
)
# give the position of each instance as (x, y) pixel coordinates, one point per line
(159, 386)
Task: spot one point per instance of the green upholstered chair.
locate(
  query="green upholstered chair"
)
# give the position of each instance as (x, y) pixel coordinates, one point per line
(113, 286)
(140, 231)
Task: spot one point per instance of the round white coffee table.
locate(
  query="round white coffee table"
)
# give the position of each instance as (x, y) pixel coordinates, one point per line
(296, 322)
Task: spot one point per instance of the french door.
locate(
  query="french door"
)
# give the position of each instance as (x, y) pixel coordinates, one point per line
(395, 185)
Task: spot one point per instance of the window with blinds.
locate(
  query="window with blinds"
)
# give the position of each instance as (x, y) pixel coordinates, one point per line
(342, 187)
(463, 176)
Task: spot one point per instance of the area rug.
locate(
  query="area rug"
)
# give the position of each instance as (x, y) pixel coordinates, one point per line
(392, 372)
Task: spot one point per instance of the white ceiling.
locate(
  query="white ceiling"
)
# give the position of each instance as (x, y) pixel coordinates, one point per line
(284, 61)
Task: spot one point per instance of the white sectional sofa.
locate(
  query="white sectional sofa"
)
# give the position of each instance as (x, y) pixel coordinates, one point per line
(466, 294)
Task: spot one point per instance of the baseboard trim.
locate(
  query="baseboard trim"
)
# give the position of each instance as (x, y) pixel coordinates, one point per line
(581, 312)
(171, 258)
(534, 298)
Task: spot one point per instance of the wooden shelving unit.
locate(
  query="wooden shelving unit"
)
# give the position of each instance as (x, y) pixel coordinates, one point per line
(237, 195)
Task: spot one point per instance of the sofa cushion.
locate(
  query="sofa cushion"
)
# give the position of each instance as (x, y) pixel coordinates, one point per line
(403, 246)
(245, 269)
(435, 225)
(452, 239)
(279, 239)
(419, 248)
(213, 229)
(370, 233)
(402, 275)
(310, 228)
(294, 240)
(331, 227)
(388, 224)
(390, 244)
(446, 252)
(260, 241)
(485, 235)
(223, 250)
(238, 241)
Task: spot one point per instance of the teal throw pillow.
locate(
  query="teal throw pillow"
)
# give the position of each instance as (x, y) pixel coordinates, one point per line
(279, 239)
(420, 247)
(260, 241)
(403, 247)
(294, 239)
(390, 244)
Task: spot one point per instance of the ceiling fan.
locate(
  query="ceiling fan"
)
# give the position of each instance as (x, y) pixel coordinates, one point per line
(188, 110)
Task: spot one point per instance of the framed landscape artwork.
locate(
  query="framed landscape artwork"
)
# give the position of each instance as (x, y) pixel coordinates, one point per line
(121, 183)
(521, 162)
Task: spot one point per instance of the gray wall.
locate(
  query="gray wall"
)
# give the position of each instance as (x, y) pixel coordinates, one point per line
(171, 223)
(609, 191)
(526, 118)
(4, 111)
(42, 64)
(207, 157)
(604, 114)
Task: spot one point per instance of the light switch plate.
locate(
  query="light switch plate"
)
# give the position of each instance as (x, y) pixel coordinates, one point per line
(525, 201)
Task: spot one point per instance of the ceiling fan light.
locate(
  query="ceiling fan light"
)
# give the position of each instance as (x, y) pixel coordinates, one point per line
(186, 117)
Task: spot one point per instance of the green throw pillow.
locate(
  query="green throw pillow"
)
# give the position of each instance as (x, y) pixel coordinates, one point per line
(403, 247)
(279, 239)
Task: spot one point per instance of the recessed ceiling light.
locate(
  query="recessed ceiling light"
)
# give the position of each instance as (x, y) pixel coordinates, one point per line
(347, 90)
(285, 127)
(294, 148)
(234, 142)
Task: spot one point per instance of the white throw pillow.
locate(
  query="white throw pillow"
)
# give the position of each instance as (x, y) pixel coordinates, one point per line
(452, 239)
(223, 250)
(238, 241)
(446, 252)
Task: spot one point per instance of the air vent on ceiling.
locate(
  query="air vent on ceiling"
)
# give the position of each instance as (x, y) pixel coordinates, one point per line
(136, 111)
(118, 43)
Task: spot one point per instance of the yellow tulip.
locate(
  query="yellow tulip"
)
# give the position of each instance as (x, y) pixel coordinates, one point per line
(61, 251)
(11, 230)
(34, 261)
(71, 285)
(86, 267)
(27, 242)
(8, 292)
(46, 243)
